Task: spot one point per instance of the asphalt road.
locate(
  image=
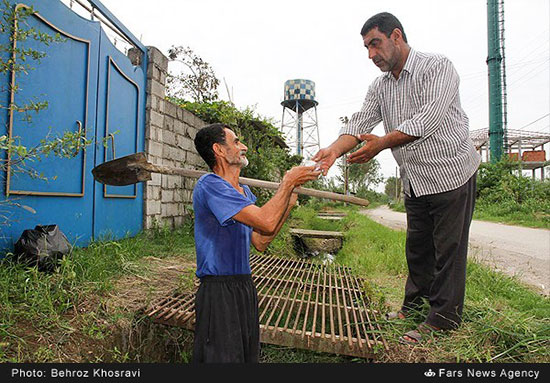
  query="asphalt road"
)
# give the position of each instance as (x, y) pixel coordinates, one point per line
(514, 250)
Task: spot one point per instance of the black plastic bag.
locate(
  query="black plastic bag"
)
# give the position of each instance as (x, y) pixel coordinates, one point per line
(42, 246)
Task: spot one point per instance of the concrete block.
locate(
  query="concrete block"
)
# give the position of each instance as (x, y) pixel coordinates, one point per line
(191, 131)
(194, 160)
(155, 148)
(155, 118)
(156, 89)
(171, 109)
(167, 196)
(168, 122)
(179, 127)
(179, 195)
(188, 118)
(169, 138)
(157, 57)
(148, 103)
(156, 74)
(152, 207)
(150, 133)
(181, 209)
(148, 222)
(167, 162)
(187, 196)
(169, 209)
(186, 144)
(153, 192)
(156, 181)
(155, 160)
(162, 77)
(172, 182)
(159, 134)
(177, 154)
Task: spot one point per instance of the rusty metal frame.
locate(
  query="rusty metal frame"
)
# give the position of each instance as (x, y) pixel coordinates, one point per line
(301, 304)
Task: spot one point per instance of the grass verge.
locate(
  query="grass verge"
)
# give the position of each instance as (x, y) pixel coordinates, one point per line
(88, 309)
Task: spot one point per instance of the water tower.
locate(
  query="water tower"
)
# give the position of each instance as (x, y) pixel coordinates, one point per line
(299, 123)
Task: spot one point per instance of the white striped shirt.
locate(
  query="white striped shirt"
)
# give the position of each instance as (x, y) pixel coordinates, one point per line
(423, 102)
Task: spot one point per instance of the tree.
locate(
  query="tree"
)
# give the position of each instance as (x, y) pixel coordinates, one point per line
(359, 176)
(366, 175)
(197, 82)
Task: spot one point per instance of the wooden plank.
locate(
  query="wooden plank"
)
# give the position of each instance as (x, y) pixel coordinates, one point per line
(316, 233)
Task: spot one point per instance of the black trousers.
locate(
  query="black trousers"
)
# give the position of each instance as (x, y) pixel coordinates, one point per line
(438, 227)
(227, 328)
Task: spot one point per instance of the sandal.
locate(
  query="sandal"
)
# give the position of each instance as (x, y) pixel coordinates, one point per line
(418, 335)
(393, 315)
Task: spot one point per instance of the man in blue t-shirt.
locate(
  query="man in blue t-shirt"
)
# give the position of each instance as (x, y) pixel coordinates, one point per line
(227, 222)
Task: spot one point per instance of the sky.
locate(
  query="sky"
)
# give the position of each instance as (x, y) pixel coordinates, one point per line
(255, 46)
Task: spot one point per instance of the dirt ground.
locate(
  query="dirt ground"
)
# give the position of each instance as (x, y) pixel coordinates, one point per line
(516, 251)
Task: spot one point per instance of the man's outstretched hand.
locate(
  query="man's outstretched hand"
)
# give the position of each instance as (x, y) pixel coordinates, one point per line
(325, 158)
(373, 145)
(299, 175)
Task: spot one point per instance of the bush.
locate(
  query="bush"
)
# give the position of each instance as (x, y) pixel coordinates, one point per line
(505, 196)
(268, 157)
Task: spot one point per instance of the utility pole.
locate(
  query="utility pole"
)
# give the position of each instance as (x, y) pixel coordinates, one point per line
(396, 192)
(346, 175)
(497, 77)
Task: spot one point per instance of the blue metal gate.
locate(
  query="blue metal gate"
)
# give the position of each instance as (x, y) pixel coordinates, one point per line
(90, 86)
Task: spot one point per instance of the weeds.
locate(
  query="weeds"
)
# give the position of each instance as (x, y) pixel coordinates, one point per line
(503, 321)
(38, 302)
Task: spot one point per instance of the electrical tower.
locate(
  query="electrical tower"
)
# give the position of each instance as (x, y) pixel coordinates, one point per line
(299, 122)
(498, 119)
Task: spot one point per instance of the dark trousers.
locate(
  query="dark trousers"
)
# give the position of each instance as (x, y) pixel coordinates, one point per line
(436, 249)
(227, 328)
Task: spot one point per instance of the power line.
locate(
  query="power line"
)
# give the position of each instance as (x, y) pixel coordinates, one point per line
(532, 122)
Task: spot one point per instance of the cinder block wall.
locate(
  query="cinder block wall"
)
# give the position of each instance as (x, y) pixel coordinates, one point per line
(169, 134)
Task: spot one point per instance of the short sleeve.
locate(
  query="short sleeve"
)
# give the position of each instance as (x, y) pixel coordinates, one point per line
(222, 199)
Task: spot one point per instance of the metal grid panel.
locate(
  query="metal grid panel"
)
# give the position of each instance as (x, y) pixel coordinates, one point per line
(301, 304)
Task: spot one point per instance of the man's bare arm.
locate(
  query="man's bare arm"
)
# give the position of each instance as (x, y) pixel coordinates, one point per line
(266, 218)
(260, 241)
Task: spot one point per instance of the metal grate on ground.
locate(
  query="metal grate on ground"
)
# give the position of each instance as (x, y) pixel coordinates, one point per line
(301, 304)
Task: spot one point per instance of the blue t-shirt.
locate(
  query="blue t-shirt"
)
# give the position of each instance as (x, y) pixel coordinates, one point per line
(222, 244)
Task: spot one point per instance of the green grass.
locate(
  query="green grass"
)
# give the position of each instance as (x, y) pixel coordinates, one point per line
(501, 214)
(41, 301)
(503, 321)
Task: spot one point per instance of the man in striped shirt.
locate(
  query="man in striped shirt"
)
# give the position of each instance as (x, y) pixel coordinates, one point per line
(417, 99)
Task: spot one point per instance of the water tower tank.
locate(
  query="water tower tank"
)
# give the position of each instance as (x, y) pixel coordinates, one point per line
(299, 95)
(299, 123)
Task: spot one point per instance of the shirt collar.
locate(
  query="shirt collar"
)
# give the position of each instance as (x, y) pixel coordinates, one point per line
(410, 63)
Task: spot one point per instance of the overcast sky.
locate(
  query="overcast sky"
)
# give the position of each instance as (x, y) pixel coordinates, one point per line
(257, 45)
